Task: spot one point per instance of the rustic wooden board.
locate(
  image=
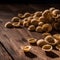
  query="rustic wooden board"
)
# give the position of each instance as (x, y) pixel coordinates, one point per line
(14, 39)
(3, 53)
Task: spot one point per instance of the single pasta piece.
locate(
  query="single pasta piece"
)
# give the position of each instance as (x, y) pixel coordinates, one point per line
(57, 26)
(50, 40)
(15, 19)
(51, 9)
(41, 42)
(25, 19)
(20, 15)
(31, 28)
(47, 27)
(8, 25)
(35, 17)
(57, 37)
(32, 40)
(42, 19)
(26, 48)
(25, 24)
(47, 48)
(47, 14)
(34, 22)
(29, 19)
(38, 29)
(55, 13)
(57, 19)
(38, 13)
(26, 15)
(58, 47)
(45, 34)
(40, 23)
(16, 24)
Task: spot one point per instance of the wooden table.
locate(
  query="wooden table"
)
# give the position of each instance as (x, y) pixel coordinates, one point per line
(11, 40)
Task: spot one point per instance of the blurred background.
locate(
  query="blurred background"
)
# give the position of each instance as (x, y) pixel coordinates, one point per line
(29, 1)
(9, 8)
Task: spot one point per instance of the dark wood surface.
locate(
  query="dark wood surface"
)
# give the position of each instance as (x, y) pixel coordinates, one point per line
(11, 40)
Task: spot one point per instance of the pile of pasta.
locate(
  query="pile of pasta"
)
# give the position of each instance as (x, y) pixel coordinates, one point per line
(43, 22)
(49, 42)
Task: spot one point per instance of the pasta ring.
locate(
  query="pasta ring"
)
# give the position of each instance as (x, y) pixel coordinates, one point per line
(57, 37)
(47, 48)
(26, 48)
(8, 25)
(41, 42)
(15, 19)
(58, 46)
(50, 40)
(32, 40)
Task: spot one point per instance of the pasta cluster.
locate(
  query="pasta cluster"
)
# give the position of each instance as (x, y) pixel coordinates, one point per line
(47, 44)
(42, 22)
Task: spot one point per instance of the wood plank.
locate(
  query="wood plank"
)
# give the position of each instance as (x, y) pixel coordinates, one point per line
(14, 39)
(10, 46)
(55, 53)
(16, 36)
(3, 54)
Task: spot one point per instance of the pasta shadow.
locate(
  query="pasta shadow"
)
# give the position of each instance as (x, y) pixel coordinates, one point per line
(30, 55)
(51, 54)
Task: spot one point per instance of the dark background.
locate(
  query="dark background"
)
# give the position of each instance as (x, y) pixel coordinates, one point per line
(22, 6)
(30, 1)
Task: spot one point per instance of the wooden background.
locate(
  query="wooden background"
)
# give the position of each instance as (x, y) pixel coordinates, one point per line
(11, 40)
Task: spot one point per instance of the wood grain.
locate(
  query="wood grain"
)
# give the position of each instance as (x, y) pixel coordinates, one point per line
(3, 53)
(14, 39)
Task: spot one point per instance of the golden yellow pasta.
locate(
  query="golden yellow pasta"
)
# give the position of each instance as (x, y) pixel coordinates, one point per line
(8, 25)
(47, 14)
(25, 24)
(31, 28)
(50, 40)
(57, 37)
(44, 22)
(26, 15)
(41, 42)
(20, 15)
(35, 17)
(15, 19)
(25, 19)
(38, 29)
(29, 19)
(27, 48)
(40, 23)
(42, 19)
(57, 19)
(45, 34)
(16, 24)
(51, 9)
(47, 48)
(55, 13)
(38, 13)
(34, 22)
(47, 27)
(32, 40)
(58, 47)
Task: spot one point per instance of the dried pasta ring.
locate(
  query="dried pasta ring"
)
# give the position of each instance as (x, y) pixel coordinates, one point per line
(47, 48)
